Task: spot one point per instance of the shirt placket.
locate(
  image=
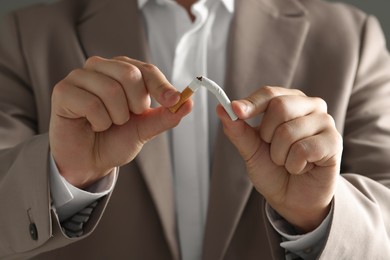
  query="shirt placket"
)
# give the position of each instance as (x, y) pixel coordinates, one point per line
(190, 139)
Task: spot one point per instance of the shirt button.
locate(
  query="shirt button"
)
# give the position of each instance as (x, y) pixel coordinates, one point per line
(33, 231)
(308, 250)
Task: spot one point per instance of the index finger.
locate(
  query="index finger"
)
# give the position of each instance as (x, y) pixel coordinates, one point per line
(258, 102)
(155, 81)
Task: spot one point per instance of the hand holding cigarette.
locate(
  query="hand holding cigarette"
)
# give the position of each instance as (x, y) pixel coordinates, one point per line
(293, 156)
(212, 87)
(102, 116)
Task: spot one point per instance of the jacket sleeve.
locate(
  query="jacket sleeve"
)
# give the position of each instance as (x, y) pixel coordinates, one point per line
(28, 224)
(360, 226)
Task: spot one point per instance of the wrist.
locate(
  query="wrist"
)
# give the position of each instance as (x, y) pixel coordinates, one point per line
(80, 175)
(83, 179)
(304, 221)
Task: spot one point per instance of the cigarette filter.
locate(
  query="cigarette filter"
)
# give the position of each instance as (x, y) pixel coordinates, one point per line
(186, 94)
(212, 87)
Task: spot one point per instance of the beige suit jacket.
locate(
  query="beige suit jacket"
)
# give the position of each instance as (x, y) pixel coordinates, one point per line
(328, 50)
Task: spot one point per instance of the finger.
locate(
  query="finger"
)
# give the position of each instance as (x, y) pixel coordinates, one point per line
(282, 109)
(257, 102)
(105, 88)
(292, 131)
(322, 150)
(155, 81)
(243, 136)
(73, 103)
(158, 120)
(129, 77)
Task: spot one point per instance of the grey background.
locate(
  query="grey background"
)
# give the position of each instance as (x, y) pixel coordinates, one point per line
(379, 8)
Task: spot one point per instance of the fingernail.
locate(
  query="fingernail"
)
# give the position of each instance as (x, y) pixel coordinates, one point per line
(243, 106)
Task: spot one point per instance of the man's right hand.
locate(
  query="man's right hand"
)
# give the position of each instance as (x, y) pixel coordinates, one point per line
(101, 116)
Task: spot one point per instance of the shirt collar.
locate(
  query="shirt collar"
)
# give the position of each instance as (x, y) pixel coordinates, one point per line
(142, 3)
(229, 4)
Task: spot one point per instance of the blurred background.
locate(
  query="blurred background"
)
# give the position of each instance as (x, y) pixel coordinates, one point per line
(378, 8)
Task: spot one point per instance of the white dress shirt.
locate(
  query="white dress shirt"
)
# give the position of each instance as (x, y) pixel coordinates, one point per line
(183, 49)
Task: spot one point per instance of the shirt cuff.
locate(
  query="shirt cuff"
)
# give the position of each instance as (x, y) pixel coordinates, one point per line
(306, 246)
(68, 200)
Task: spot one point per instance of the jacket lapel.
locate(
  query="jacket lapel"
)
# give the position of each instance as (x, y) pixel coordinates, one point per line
(124, 34)
(155, 163)
(266, 40)
(113, 28)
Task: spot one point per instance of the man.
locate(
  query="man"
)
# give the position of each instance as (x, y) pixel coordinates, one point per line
(101, 118)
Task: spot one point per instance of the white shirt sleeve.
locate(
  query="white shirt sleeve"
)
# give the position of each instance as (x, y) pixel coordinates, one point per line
(68, 200)
(306, 246)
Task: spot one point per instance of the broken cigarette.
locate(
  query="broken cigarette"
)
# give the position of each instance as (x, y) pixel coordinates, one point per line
(212, 87)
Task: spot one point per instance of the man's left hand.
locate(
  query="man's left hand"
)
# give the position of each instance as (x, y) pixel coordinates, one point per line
(293, 156)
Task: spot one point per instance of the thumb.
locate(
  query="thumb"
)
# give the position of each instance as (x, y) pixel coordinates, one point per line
(242, 135)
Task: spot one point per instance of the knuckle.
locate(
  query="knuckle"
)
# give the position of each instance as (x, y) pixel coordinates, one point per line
(285, 132)
(322, 105)
(299, 92)
(59, 91)
(93, 60)
(93, 105)
(133, 73)
(270, 91)
(157, 88)
(299, 150)
(252, 101)
(162, 86)
(55, 95)
(338, 141)
(130, 73)
(279, 105)
(113, 89)
(150, 67)
(339, 138)
(121, 57)
(74, 74)
(340, 146)
(142, 104)
(329, 120)
(59, 88)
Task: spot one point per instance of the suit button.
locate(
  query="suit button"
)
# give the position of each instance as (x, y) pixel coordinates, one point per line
(33, 231)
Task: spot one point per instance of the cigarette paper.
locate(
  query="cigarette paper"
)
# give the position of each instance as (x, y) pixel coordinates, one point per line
(213, 88)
